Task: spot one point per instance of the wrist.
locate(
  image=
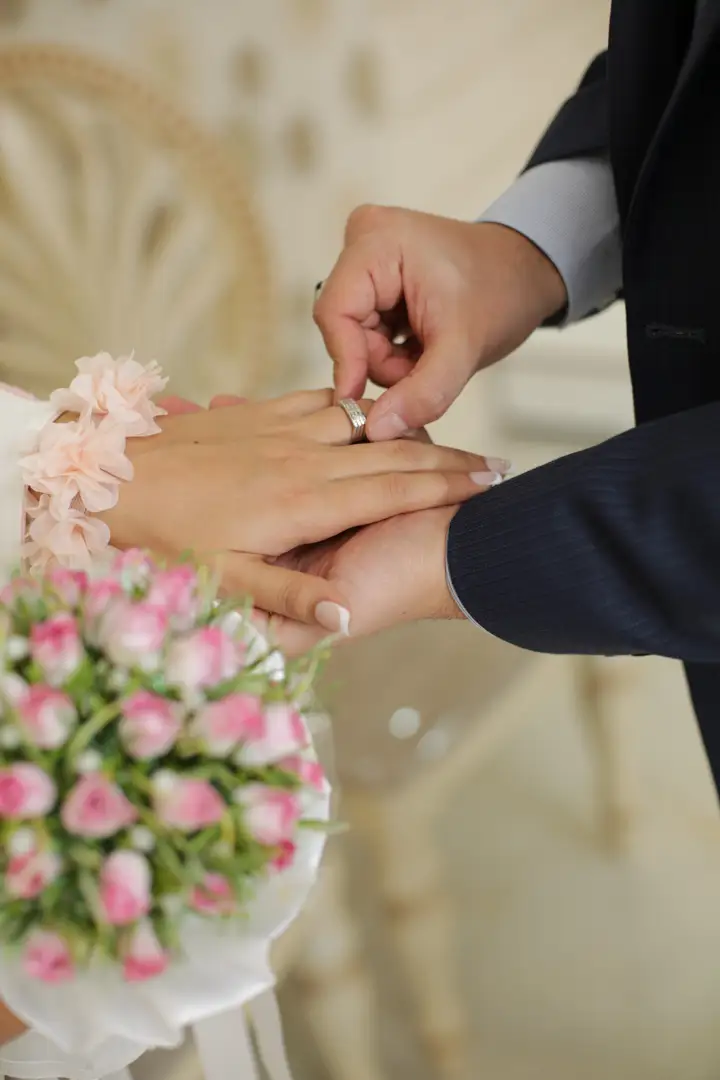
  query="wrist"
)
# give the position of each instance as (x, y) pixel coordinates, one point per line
(542, 285)
(439, 597)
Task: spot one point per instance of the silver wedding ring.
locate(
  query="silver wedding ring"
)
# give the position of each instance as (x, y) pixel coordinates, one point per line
(356, 417)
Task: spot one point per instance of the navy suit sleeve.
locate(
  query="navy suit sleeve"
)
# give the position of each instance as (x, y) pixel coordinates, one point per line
(611, 551)
(581, 129)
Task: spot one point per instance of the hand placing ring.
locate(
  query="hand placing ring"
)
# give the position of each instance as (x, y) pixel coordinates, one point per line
(356, 417)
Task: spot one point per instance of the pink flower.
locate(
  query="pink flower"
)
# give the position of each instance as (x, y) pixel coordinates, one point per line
(70, 585)
(204, 658)
(47, 957)
(46, 716)
(56, 648)
(284, 734)
(19, 588)
(63, 537)
(144, 955)
(134, 567)
(96, 807)
(79, 459)
(27, 875)
(187, 803)
(310, 773)
(150, 724)
(214, 897)
(176, 592)
(125, 887)
(122, 389)
(133, 635)
(223, 724)
(271, 814)
(285, 856)
(99, 596)
(25, 792)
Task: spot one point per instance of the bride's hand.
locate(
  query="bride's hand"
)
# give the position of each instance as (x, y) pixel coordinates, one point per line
(258, 479)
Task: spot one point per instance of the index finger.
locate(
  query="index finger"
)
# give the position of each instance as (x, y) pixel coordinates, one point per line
(366, 280)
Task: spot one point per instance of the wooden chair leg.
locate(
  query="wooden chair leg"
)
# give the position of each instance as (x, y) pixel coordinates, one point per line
(412, 883)
(337, 993)
(616, 802)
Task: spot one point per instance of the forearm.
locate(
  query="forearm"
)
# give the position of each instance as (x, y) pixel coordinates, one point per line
(10, 1026)
(611, 551)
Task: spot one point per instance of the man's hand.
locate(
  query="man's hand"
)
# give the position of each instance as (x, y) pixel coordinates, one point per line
(461, 295)
(387, 573)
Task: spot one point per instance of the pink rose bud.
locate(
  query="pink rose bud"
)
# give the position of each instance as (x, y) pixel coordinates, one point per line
(46, 716)
(187, 803)
(204, 658)
(125, 887)
(134, 567)
(285, 856)
(223, 724)
(70, 585)
(150, 724)
(47, 957)
(176, 592)
(56, 648)
(27, 875)
(25, 792)
(284, 734)
(310, 773)
(98, 597)
(214, 897)
(144, 955)
(96, 807)
(133, 635)
(271, 814)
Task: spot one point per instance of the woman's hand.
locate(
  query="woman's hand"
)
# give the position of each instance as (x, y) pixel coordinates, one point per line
(258, 479)
(10, 1026)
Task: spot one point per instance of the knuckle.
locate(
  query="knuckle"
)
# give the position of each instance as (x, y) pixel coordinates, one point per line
(364, 218)
(291, 596)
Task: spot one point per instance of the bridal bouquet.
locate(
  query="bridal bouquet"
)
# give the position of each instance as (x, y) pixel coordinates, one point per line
(161, 807)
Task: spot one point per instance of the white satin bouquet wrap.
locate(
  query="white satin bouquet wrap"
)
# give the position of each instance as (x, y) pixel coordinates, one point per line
(98, 1023)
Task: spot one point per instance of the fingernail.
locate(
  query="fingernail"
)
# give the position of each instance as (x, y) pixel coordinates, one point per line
(486, 479)
(498, 465)
(333, 617)
(389, 426)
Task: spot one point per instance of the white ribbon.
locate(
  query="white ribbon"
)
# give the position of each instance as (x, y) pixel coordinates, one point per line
(225, 1046)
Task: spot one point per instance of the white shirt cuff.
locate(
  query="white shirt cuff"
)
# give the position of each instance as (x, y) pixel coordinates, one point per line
(568, 209)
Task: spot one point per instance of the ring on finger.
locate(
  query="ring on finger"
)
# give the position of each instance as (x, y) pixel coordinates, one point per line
(357, 419)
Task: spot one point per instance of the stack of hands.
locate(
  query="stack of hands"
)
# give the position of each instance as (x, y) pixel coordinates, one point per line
(329, 537)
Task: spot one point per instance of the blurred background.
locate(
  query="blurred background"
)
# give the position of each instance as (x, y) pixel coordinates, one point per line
(530, 884)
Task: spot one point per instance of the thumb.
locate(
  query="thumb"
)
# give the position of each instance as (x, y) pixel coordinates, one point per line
(426, 393)
(303, 598)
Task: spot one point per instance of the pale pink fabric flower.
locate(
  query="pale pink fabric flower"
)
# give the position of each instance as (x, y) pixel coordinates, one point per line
(62, 537)
(150, 724)
(144, 955)
(47, 957)
(214, 897)
(310, 773)
(56, 648)
(29, 874)
(25, 792)
(133, 634)
(80, 459)
(204, 658)
(176, 592)
(284, 733)
(187, 803)
(47, 716)
(96, 807)
(223, 724)
(285, 857)
(125, 887)
(70, 585)
(121, 389)
(271, 814)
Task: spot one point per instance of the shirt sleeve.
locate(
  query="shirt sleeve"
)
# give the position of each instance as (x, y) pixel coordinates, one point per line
(568, 209)
(21, 418)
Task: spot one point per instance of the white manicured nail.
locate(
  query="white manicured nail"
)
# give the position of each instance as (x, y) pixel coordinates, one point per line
(486, 479)
(333, 617)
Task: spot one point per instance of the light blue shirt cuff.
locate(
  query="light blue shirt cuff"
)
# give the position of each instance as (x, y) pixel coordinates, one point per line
(568, 209)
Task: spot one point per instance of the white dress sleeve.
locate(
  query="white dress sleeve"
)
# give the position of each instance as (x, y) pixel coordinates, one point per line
(21, 418)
